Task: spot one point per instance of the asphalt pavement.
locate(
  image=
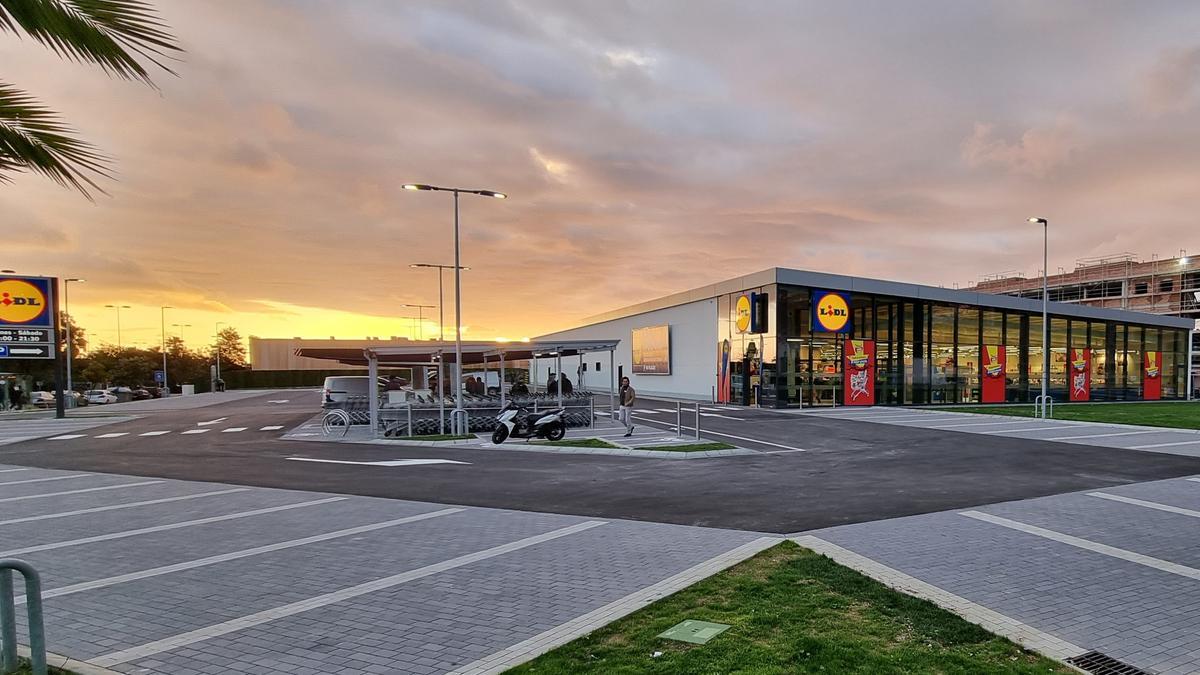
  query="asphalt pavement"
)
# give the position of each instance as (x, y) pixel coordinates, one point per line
(811, 471)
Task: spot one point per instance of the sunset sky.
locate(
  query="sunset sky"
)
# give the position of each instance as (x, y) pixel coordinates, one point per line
(647, 147)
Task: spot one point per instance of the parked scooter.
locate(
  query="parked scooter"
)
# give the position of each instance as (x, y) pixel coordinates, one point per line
(518, 422)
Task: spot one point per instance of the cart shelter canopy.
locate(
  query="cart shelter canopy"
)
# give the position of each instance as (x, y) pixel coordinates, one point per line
(474, 352)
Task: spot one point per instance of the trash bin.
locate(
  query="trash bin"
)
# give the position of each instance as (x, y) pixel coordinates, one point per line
(188, 389)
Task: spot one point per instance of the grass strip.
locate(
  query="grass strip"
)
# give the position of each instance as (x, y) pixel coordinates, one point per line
(1177, 415)
(793, 611)
(691, 447)
(579, 443)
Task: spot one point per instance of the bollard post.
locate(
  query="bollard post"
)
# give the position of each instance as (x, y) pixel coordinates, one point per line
(33, 611)
(8, 623)
(410, 429)
(679, 419)
(591, 411)
(697, 421)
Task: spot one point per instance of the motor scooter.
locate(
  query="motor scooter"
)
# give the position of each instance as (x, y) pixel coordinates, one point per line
(518, 422)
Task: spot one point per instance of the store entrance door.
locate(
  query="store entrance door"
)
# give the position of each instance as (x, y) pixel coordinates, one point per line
(826, 370)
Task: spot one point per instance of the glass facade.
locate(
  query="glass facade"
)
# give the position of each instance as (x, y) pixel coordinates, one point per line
(929, 352)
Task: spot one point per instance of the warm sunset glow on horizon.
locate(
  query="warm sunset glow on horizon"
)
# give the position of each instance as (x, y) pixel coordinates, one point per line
(643, 149)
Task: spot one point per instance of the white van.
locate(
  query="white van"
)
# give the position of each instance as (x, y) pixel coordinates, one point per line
(338, 388)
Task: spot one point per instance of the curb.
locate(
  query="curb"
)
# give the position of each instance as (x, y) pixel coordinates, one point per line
(77, 666)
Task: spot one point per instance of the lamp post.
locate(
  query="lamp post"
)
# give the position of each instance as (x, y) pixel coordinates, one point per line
(118, 308)
(458, 412)
(441, 302)
(1045, 397)
(421, 314)
(67, 309)
(181, 326)
(217, 346)
(163, 320)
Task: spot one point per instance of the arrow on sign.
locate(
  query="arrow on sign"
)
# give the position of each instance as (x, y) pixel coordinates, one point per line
(390, 462)
(26, 351)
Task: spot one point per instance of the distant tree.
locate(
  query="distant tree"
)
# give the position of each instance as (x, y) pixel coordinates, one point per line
(79, 341)
(232, 349)
(108, 33)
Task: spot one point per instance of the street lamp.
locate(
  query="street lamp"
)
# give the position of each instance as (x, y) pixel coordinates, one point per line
(420, 315)
(67, 308)
(458, 412)
(163, 320)
(217, 347)
(181, 326)
(118, 308)
(441, 302)
(1044, 399)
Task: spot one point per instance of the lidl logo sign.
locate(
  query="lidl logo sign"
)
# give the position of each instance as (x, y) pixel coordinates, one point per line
(23, 301)
(831, 312)
(742, 313)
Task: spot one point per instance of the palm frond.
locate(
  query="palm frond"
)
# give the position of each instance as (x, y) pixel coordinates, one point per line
(33, 138)
(109, 33)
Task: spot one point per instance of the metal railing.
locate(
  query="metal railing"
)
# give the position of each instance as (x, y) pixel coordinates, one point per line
(8, 618)
(1043, 406)
(679, 420)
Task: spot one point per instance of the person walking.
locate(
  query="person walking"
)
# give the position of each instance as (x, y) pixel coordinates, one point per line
(627, 397)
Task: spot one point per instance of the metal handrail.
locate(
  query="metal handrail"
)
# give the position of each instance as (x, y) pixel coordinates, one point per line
(8, 617)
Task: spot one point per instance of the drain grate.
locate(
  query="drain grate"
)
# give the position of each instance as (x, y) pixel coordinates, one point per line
(1103, 664)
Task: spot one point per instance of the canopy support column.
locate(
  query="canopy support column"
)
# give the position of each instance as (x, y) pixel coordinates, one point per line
(373, 391)
(612, 389)
(441, 390)
(502, 402)
(558, 375)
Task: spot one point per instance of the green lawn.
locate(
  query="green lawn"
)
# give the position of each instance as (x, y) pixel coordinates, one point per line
(793, 611)
(579, 443)
(1184, 415)
(691, 447)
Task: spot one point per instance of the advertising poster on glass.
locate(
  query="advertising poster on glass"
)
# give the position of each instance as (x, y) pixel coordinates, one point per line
(652, 350)
(995, 358)
(859, 380)
(1152, 376)
(1081, 374)
(723, 382)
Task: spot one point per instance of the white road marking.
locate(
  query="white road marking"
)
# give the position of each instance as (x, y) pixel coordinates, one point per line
(1087, 545)
(1150, 505)
(76, 492)
(647, 412)
(663, 410)
(115, 434)
(284, 400)
(392, 462)
(1164, 445)
(1118, 433)
(196, 431)
(582, 625)
(154, 433)
(236, 555)
(45, 480)
(163, 528)
(742, 438)
(11, 470)
(1000, 624)
(290, 609)
(219, 419)
(115, 507)
(724, 417)
(1021, 431)
(67, 437)
(273, 427)
(975, 424)
(233, 430)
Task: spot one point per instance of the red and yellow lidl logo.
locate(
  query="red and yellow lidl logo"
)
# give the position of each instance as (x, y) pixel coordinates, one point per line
(831, 312)
(742, 313)
(20, 301)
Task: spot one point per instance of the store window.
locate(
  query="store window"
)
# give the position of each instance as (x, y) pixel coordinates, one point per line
(943, 385)
(968, 355)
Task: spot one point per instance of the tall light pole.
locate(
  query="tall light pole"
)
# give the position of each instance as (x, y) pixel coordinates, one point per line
(67, 309)
(441, 302)
(118, 308)
(1045, 398)
(163, 319)
(181, 326)
(421, 314)
(217, 346)
(458, 413)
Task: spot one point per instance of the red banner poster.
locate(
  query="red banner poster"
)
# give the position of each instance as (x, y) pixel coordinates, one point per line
(723, 380)
(994, 360)
(858, 382)
(1081, 374)
(1152, 376)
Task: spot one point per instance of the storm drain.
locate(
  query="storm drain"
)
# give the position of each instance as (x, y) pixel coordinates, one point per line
(1103, 664)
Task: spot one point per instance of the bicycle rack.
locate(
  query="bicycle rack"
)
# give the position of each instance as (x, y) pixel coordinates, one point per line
(335, 419)
(1043, 407)
(8, 617)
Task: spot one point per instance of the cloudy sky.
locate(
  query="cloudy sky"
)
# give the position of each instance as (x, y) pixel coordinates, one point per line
(648, 147)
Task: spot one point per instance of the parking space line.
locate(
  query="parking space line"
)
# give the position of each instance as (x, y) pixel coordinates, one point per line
(11, 470)
(1117, 433)
(233, 430)
(45, 480)
(976, 424)
(992, 620)
(163, 528)
(115, 507)
(1088, 545)
(273, 427)
(1150, 505)
(196, 431)
(115, 434)
(1164, 445)
(290, 609)
(582, 625)
(1014, 431)
(77, 492)
(67, 437)
(237, 555)
(740, 438)
(154, 433)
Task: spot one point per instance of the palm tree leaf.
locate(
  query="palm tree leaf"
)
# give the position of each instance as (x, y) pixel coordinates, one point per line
(109, 33)
(33, 138)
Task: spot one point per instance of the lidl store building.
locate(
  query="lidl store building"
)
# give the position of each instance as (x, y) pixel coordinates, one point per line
(787, 338)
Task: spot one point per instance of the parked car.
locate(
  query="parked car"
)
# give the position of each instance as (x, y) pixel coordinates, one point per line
(99, 397)
(337, 388)
(77, 399)
(42, 399)
(123, 394)
(142, 394)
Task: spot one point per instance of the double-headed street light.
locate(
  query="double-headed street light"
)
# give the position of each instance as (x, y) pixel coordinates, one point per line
(163, 320)
(420, 316)
(119, 308)
(459, 413)
(441, 301)
(1044, 399)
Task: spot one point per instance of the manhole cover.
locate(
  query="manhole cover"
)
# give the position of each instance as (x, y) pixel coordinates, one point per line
(695, 632)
